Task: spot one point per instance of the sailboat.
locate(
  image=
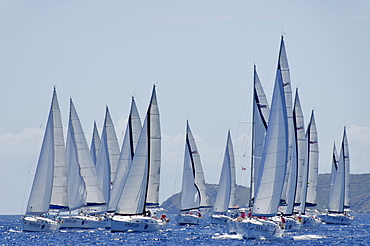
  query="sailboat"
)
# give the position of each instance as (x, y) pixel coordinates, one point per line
(141, 187)
(48, 189)
(290, 183)
(272, 174)
(194, 193)
(84, 191)
(309, 175)
(226, 194)
(302, 170)
(130, 140)
(336, 213)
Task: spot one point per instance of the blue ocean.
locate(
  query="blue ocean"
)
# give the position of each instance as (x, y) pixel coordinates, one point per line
(204, 234)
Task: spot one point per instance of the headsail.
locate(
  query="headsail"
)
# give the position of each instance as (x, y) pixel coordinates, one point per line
(225, 198)
(274, 158)
(129, 144)
(87, 168)
(103, 166)
(336, 196)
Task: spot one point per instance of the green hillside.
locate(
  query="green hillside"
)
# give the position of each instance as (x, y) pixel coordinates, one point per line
(359, 194)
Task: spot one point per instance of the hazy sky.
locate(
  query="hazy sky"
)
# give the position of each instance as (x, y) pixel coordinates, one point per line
(200, 54)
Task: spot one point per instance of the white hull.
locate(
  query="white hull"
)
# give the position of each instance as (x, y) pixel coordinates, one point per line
(83, 222)
(220, 219)
(309, 220)
(188, 219)
(339, 219)
(223, 220)
(252, 228)
(40, 224)
(136, 223)
(290, 223)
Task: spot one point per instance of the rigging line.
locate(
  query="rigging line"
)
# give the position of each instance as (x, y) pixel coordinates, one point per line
(31, 161)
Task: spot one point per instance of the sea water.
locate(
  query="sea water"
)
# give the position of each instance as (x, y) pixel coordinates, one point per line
(204, 234)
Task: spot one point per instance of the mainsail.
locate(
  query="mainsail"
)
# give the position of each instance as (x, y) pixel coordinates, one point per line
(95, 143)
(312, 160)
(260, 117)
(112, 141)
(300, 138)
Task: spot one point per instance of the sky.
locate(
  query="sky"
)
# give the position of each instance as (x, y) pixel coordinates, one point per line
(200, 54)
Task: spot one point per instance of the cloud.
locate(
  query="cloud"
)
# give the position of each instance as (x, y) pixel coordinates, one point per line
(359, 134)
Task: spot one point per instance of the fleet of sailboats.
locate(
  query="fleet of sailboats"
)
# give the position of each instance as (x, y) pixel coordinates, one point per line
(107, 187)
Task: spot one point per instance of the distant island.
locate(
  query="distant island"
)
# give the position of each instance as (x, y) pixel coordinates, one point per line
(359, 194)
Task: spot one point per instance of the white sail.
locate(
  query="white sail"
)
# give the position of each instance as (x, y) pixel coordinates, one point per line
(226, 189)
(345, 150)
(129, 144)
(132, 200)
(76, 184)
(144, 168)
(336, 196)
(260, 117)
(274, 158)
(102, 165)
(154, 152)
(87, 168)
(193, 194)
(291, 167)
(95, 143)
(338, 186)
(312, 160)
(300, 137)
(334, 168)
(113, 146)
(49, 186)
(291, 181)
(59, 197)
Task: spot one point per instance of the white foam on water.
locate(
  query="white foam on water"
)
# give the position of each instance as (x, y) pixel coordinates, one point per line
(11, 230)
(227, 236)
(307, 237)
